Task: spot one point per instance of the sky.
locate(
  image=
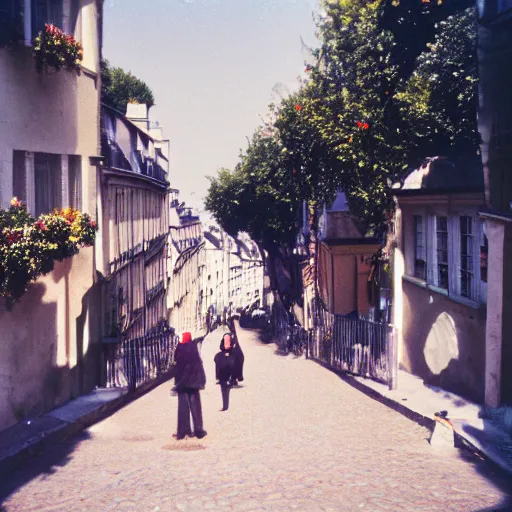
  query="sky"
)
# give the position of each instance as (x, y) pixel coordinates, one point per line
(212, 66)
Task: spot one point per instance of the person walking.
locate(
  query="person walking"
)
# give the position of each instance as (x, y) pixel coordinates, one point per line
(225, 368)
(238, 374)
(189, 378)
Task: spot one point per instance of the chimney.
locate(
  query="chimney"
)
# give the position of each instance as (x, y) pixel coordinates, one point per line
(137, 113)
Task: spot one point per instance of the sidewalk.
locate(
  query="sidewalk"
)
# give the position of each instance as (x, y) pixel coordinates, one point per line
(492, 436)
(27, 437)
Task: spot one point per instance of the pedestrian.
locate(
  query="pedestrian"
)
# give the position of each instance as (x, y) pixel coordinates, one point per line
(238, 374)
(225, 368)
(189, 378)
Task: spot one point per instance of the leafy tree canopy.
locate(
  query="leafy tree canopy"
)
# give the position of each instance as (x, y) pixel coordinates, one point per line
(257, 197)
(118, 88)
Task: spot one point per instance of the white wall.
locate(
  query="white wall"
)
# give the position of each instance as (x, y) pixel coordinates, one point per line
(46, 343)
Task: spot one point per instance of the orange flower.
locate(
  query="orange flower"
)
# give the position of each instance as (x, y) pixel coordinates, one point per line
(298, 108)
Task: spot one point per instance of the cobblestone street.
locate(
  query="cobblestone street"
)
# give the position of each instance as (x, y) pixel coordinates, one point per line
(296, 437)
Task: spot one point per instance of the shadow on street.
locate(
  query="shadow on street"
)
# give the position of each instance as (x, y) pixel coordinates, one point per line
(44, 463)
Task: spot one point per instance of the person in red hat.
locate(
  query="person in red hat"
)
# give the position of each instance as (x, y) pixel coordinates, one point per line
(189, 378)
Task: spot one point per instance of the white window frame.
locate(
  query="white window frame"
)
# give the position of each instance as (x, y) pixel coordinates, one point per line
(27, 183)
(477, 293)
(27, 19)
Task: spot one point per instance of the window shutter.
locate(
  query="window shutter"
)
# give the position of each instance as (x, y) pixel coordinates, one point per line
(454, 255)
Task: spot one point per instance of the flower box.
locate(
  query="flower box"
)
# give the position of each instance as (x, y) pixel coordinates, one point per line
(54, 50)
(29, 247)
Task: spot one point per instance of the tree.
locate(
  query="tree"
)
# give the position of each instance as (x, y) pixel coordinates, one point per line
(258, 197)
(118, 88)
(354, 112)
(441, 96)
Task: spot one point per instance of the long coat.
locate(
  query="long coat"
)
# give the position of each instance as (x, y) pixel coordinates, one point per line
(189, 370)
(238, 357)
(225, 365)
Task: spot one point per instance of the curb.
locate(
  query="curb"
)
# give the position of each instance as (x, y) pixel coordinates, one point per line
(65, 430)
(420, 419)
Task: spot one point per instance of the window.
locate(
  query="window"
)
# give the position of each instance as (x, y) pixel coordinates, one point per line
(47, 180)
(19, 179)
(466, 256)
(484, 250)
(11, 27)
(420, 263)
(450, 253)
(442, 251)
(75, 181)
(45, 11)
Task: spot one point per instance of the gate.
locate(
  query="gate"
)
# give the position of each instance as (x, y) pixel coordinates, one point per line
(356, 346)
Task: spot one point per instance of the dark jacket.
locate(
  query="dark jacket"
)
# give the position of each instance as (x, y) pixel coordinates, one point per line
(224, 365)
(189, 369)
(238, 372)
(238, 358)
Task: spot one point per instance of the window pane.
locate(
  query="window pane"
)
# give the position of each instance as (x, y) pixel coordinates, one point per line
(75, 181)
(420, 266)
(442, 251)
(45, 11)
(47, 177)
(466, 256)
(19, 178)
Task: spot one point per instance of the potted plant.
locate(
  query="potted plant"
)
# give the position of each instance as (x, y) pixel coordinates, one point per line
(29, 247)
(55, 50)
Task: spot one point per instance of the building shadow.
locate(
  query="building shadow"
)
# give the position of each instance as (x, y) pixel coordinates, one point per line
(41, 465)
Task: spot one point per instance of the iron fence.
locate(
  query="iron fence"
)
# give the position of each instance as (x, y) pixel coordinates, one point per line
(357, 346)
(133, 362)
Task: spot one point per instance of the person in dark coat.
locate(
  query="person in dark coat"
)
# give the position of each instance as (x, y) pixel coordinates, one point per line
(238, 374)
(225, 368)
(189, 378)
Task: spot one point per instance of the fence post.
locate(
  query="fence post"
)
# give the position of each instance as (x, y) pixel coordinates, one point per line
(392, 357)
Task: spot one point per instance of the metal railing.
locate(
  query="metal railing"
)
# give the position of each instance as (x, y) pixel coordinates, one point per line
(357, 346)
(133, 362)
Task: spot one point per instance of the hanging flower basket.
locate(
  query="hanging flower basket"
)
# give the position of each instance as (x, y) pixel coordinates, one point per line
(29, 247)
(54, 50)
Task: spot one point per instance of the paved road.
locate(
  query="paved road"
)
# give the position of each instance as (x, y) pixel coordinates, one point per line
(295, 437)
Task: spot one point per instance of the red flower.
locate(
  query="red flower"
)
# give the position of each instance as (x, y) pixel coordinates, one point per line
(363, 126)
(40, 225)
(359, 124)
(298, 108)
(366, 126)
(93, 224)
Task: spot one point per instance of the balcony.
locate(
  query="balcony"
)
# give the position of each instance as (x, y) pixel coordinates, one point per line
(116, 159)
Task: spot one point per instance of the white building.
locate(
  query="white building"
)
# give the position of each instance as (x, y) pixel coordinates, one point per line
(49, 130)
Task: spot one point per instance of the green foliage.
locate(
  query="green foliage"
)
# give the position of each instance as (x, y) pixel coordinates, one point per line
(441, 96)
(354, 113)
(29, 247)
(257, 197)
(118, 88)
(375, 105)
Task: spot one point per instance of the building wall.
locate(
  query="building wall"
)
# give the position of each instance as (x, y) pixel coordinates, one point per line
(48, 356)
(441, 337)
(443, 341)
(343, 272)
